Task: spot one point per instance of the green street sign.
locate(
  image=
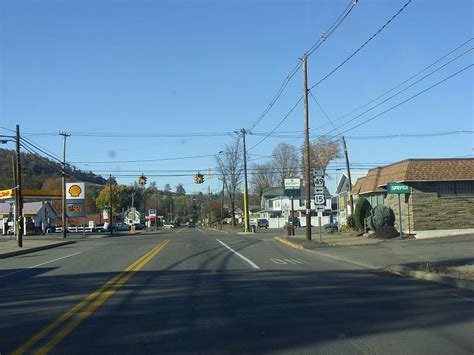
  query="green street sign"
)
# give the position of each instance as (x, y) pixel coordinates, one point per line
(398, 188)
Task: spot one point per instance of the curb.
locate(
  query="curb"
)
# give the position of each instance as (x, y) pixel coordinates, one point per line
(287, 242)
(430, 276)
(32, 250)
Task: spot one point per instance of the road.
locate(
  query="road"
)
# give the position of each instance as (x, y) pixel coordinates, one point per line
(197, 291)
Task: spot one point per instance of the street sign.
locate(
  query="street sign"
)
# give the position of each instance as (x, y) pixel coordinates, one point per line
(398, 188)
(319, 173)
(319, 208)
(292, 184)
(319, 190)
(319, 200)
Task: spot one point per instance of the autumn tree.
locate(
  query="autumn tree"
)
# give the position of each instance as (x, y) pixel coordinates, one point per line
(323, 150)
(285, 162)
(230, 166)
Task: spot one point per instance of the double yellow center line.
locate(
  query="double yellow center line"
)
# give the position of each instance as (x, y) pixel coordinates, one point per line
(92, 301)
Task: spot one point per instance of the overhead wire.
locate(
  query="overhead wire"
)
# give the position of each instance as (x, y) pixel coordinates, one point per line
(409, 99)
(362, 46)
(400, 84)
(298, 65)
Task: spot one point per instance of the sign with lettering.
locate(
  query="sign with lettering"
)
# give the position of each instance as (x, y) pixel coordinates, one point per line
(398, 188)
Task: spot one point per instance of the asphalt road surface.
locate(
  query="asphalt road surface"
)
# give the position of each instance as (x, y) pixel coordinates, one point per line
(203, 292)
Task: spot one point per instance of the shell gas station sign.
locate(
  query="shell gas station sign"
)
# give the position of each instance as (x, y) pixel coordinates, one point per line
(75, 199)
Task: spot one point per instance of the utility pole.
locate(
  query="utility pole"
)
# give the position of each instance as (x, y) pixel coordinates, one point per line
(111, 215)
(222, 203)
(307, 170)
(63, 173)
(246, 195)
(18, 195)
(348, 175)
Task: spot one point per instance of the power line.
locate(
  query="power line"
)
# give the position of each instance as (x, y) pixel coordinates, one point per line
(298, 65)
(323, 111)
(333, 27)
(409, 99)
(41, 149)
(403, 82)
(143, 160)
(135, 135)
(278, 125)
(362, 46)
(401, 91)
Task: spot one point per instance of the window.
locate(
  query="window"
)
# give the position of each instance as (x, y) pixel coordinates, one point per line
(455, 188)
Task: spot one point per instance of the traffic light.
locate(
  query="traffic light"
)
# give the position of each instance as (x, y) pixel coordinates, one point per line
(142, 180)
(199, 178)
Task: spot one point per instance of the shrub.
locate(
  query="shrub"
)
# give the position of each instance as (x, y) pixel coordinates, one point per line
(351, 222)
(362, 211)
(330, 228)
(345, 228)
(381, 216)
(386, 232)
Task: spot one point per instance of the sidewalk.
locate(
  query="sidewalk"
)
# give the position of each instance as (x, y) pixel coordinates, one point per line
(10, 248)
(382, 253)
(403, 257)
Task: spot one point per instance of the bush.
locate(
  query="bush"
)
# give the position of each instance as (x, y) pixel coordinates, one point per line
(381, 216)
(345, 228)
(351, 222)
(362, 211)
(330, 228)
(386, 232)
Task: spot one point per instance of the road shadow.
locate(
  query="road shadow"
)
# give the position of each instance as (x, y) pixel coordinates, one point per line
(236, 311)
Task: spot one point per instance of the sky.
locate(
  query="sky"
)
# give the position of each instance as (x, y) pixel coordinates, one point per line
(160, 87)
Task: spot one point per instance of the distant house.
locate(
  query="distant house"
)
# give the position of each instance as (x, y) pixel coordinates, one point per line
(276, 207)
(442, 192)
(342, 197)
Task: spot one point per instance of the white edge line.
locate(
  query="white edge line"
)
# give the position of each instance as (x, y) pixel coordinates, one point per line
(255, 266)
(35, 266)
(463, 298)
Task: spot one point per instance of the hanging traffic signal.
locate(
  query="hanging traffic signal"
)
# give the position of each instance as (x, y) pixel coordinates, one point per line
(142, 180)
(199, 178)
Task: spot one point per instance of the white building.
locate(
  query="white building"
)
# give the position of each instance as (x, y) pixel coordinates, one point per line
(276, 207)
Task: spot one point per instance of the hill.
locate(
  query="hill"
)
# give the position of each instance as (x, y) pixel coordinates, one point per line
(36, 171)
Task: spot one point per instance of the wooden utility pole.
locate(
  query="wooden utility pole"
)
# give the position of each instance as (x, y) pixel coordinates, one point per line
(111, 214)
(246, 194)
(307, 170)
(63, 173)
(348, 175)
(18, 194)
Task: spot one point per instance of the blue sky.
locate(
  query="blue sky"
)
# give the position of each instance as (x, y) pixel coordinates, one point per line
(184, 68)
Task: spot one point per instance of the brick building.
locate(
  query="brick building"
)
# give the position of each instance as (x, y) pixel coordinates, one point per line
(442, 192)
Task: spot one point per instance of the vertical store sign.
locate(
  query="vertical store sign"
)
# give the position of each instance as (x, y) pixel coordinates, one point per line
(75, 199)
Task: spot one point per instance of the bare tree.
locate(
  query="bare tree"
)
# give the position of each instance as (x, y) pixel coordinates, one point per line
(323, 150)
(230, 166)
(263, 176)
(285, 162)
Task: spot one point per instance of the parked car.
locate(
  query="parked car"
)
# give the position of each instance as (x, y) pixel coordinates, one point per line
(102, 227)
(120, 227)
(262, 223)
(296, 222)
(191, 225)
(139, 226)
(168, 225)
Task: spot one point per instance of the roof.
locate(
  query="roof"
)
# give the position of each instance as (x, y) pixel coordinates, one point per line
(28, 207)
(270, 192)
(412, 170)
(343, 184)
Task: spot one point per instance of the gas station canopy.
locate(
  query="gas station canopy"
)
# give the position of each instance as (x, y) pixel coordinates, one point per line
(29, 194)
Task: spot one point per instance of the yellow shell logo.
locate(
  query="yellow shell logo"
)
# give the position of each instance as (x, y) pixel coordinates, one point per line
(75, 190)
